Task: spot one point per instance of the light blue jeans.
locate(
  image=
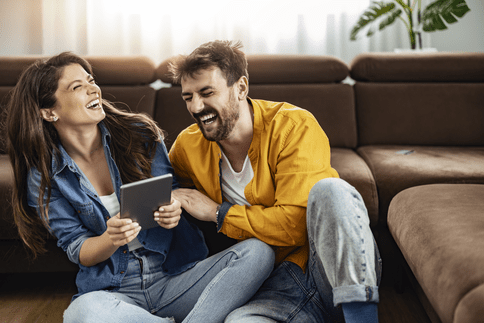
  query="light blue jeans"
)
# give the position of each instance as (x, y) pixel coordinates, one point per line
(344, 264)
(208, 292)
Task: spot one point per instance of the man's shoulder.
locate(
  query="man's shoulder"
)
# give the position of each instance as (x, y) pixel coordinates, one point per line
(277, 111)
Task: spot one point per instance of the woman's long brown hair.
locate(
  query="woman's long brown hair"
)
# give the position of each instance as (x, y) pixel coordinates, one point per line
(33, 142)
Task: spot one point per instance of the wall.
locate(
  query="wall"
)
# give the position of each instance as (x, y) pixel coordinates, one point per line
(21, 31)
(20, 27)
(465, 35)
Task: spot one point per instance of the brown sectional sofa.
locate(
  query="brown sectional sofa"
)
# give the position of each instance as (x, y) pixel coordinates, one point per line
(421, 122)
(405, 122)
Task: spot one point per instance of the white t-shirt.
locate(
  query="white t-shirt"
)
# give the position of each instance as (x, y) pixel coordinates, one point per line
(233, 183)
(111, 203)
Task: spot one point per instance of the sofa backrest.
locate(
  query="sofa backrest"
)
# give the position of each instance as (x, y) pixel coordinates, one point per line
(431, 99)
(310, 82)
(124, 81)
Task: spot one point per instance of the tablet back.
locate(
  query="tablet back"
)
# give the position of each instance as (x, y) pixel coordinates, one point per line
(140, 199)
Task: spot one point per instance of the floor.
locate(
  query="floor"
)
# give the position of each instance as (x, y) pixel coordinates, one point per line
(42, 297)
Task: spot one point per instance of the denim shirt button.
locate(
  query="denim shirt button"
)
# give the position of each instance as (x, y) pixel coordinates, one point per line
(122, 272)
(125, 251)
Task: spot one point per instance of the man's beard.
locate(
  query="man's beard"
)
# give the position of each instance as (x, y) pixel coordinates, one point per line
(227, 119)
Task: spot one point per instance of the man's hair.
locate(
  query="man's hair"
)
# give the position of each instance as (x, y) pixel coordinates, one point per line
(225, 55)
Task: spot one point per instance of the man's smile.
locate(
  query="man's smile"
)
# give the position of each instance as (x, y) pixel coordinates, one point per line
(208, 118)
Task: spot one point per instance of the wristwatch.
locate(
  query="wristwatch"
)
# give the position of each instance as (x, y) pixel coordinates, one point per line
(216, 213)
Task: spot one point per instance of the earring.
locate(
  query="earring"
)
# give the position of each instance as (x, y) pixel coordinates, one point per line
(55, 119)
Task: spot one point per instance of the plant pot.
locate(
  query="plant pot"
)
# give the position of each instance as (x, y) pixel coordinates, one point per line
(418, 50)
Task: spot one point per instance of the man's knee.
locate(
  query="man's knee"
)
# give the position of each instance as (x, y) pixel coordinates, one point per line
(328, 188)
(333, 200)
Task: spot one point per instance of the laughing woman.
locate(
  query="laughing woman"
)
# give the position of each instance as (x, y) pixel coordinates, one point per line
(71, 151)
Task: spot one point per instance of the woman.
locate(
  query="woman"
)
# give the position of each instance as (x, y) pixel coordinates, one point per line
(70, 151)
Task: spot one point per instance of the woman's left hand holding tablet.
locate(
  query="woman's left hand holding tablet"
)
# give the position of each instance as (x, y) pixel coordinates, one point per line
(122, 231)
(168, 216)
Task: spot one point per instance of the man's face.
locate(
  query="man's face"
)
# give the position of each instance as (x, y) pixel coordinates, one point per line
(212, 104)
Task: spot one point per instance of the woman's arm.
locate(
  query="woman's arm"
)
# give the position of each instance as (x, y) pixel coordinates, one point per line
(98, 249)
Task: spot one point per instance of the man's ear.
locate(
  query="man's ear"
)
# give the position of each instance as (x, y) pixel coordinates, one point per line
(48, 115)
(242, 88)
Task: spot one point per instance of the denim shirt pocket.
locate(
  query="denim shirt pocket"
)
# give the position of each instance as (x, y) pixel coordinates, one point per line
(89, 218)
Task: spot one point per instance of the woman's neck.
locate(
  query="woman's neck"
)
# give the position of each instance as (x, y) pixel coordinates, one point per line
(83, 144)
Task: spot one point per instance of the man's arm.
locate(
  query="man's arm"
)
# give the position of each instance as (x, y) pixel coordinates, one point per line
(302, 158)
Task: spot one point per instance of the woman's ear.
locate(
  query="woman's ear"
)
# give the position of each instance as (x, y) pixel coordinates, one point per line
(48, 115)
(243, 88)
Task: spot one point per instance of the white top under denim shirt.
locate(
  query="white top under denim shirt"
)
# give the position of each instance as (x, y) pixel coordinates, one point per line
(76, 213)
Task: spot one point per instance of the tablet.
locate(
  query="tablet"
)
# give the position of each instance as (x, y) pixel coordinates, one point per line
(140, 199)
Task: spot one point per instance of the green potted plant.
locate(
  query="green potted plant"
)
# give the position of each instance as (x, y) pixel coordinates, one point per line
(415, 20)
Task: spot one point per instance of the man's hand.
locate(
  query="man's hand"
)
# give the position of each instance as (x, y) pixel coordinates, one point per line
(122, 231)
(168, 216)
(198, 205)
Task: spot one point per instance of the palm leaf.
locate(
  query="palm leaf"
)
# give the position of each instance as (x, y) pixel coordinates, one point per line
(403, 4)
(377, 11)
(446, 9)
(390, 18)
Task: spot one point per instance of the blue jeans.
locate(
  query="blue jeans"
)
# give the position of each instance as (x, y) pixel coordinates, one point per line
(208, 292)
(344, 264)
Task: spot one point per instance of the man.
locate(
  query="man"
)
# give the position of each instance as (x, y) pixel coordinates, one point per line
(262, 169)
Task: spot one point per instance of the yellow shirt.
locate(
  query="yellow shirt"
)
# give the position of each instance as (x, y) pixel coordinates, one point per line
(289, 153)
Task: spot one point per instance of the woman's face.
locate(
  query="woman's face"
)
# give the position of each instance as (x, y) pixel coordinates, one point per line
(78, 99)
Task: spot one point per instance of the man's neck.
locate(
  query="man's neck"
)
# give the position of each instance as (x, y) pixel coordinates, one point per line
(237, 145)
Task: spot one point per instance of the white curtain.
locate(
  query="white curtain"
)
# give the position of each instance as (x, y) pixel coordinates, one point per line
(160, 29)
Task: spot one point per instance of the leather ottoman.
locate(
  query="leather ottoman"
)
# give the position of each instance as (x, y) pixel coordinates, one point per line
(439, 229)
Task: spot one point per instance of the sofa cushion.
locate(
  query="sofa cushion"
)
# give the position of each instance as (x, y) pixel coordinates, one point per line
(277, 69)
(331, 104)
(171, 113)
(16, 258)
(438, 114)
(470, 308)
(440, 230)
(136, 98)
(353, 169)
(310, 82)
(396, 168)
(415, 67)
(7, 225)
(112, 70)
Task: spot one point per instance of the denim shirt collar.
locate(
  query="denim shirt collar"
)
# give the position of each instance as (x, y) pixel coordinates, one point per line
(63, 159)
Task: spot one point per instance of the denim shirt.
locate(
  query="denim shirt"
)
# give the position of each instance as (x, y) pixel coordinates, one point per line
(76, 213)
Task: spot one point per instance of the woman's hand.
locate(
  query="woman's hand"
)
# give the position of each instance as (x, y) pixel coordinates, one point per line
(98, 249)
(122, 231)
(168, 216)
(197, 204)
